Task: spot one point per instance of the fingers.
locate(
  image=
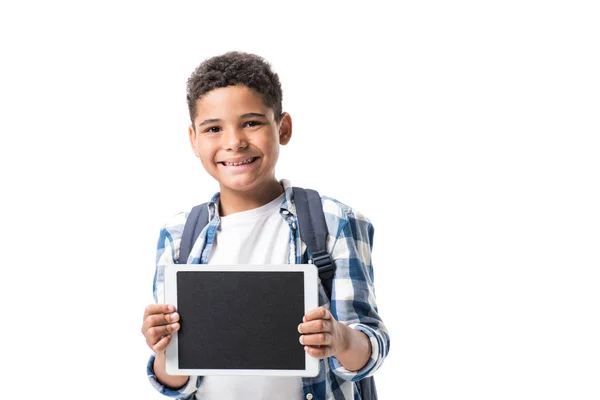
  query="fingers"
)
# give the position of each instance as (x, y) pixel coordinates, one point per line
(158, 309)
(161, 345)
(317, 326)
(162, 330)
(317, 313)
(317, 320)
(319, 352)
(318, 345)
(317, 339)
(316, 336)
(317, 333)
(156, 333)
(160, 321)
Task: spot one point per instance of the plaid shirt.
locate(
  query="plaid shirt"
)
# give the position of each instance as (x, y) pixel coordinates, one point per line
(349, 242)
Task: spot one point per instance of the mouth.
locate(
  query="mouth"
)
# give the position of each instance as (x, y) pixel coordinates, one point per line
(247, 161)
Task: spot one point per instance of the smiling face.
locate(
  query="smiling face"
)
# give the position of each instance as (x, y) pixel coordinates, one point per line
(237, 140)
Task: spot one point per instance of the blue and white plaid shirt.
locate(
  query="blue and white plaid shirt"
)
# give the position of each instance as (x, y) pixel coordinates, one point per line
(349, 242)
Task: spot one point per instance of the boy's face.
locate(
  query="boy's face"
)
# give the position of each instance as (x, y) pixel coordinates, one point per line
(237, 139)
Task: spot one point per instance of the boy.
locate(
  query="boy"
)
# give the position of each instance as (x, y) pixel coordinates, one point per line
(237, 126)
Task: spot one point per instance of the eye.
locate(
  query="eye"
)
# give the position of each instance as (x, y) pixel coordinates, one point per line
(213, 129)
(252, 124)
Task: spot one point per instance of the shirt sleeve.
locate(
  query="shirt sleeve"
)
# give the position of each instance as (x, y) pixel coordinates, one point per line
(167, 252)
(353, 294)
(187, 391)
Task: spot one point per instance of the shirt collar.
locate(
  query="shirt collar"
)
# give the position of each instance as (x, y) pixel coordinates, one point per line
(286, 205)
(288, 200)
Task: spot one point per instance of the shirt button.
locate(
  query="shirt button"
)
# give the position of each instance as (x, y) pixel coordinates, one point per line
(294, 225)
(309, 396)
(286, 212)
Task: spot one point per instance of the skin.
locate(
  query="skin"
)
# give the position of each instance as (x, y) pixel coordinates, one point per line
(234, 124)
(323, 337)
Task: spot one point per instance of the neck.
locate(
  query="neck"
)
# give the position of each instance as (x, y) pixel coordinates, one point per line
(233, 202)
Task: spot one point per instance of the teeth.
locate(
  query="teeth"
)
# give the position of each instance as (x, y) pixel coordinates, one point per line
(248, 161)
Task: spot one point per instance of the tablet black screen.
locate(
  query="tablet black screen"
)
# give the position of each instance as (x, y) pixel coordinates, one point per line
(240, 320)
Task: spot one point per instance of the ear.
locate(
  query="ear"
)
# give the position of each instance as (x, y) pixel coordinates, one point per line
(285, 129)
(192, 134)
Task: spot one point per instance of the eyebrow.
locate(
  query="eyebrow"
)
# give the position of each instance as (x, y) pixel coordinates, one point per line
(208, 121)
(247, 115)
(250, 115)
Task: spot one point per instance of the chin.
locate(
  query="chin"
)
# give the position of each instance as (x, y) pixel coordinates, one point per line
(240, 184)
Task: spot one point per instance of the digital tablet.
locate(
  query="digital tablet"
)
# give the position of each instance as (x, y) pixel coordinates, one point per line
(240, 319)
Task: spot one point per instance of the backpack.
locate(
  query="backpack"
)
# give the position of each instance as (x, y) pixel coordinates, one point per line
(313, 232)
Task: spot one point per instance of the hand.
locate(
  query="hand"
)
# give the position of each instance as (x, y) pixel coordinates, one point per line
(322, 335)
(160, 320)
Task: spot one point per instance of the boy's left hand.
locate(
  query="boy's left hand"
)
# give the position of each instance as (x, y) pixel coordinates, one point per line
(322, 335)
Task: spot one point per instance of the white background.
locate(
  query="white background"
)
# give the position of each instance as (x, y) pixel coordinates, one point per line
(467, 132)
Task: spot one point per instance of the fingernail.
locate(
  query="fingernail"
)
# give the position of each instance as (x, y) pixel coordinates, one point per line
(299, 330)
(173, 316)
(175, 326)
(302, 339)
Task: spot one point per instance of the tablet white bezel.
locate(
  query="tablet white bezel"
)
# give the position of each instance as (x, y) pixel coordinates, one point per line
(310, 302)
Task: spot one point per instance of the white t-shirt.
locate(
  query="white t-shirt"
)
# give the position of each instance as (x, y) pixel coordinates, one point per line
(257, 236)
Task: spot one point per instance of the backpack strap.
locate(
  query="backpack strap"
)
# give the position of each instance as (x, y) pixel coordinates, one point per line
(196, 221)
(313, 232)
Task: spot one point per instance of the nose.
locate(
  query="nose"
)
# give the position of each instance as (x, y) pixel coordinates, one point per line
(234, 138)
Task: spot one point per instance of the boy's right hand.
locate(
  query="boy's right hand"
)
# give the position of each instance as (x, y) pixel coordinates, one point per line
(160, 320)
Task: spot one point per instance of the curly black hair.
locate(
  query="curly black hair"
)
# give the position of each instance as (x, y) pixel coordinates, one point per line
(235, 68)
